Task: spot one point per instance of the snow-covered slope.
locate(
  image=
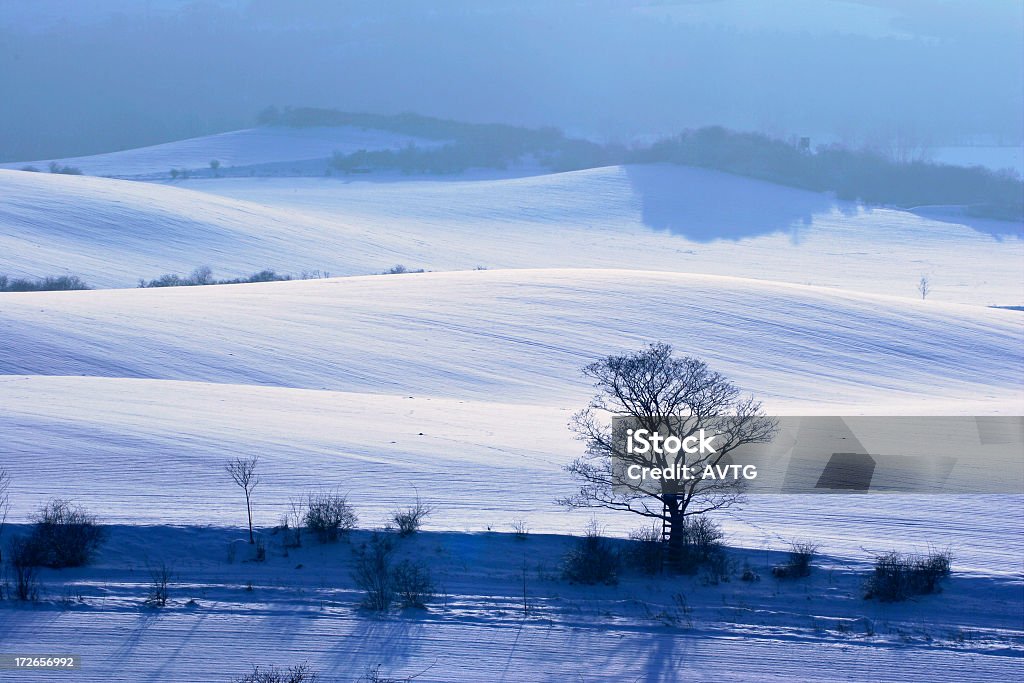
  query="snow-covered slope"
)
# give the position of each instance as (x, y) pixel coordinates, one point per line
(519, 336)
(114, 232)
(153, 452)
(462, 383)
(656, 217)
(457, 387)
(239, 148)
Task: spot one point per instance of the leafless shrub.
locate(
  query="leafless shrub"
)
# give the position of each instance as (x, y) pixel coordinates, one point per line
(716, 569)
(159, 591)
(520, 529)
(698, 543)
(412, 583)
(798, 563)
(647, 552)
(299, 673)
(592, 560)
(373, 675)
(749, 575)
(408, 520)
(898, 577)
(328, 514)
(399, 269)
(63, 535)
(23, 568)
(292, 523)
(371, 572)
(202, 275)
(66, 170)
(261, 550)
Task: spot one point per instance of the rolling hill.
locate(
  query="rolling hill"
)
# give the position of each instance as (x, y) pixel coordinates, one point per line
(657, 217)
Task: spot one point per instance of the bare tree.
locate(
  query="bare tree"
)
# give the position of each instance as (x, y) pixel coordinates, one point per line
(924, 287)
(203, 275)
(660, 392)
(243, 473)
(159, 592)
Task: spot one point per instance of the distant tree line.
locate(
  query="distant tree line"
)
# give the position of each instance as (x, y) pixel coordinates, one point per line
(464, 145)
(853, 174)
(406, 124)
(46, 284)
(55, 168)
(203, 275)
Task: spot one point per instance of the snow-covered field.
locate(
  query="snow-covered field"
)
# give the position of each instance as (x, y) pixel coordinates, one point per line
(659, 217)
(235, 149)
(522, 335)
(304, 607)
(457, 386)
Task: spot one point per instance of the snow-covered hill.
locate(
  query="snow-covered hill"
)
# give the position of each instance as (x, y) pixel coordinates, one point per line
(153, 452)
(235, 149)
(462, 383)
(520, 336)
(656, 217)
(457, 386)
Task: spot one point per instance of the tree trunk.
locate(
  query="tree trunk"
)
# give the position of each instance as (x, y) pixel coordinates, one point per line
(676, 530)
(248, 506)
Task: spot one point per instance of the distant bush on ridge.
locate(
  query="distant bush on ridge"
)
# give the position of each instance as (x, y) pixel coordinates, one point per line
(65, 170)
(46, 284)
(203, 275)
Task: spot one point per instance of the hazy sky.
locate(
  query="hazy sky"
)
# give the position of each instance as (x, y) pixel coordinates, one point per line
(82, 76)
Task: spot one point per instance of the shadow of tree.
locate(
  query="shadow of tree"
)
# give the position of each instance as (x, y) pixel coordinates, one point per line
(704, 205)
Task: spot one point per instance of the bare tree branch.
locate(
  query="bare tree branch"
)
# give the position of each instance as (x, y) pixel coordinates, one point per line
(243, 473)
(665, 394)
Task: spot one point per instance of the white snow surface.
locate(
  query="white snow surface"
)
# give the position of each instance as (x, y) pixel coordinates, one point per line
(657, 217)
(237, 148)
(457, 386)
(461, 384)
(521, 336)
(226, 616)
(153, 451)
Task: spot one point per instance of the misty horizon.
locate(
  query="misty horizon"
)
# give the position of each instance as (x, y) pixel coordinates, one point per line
(115, 75)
